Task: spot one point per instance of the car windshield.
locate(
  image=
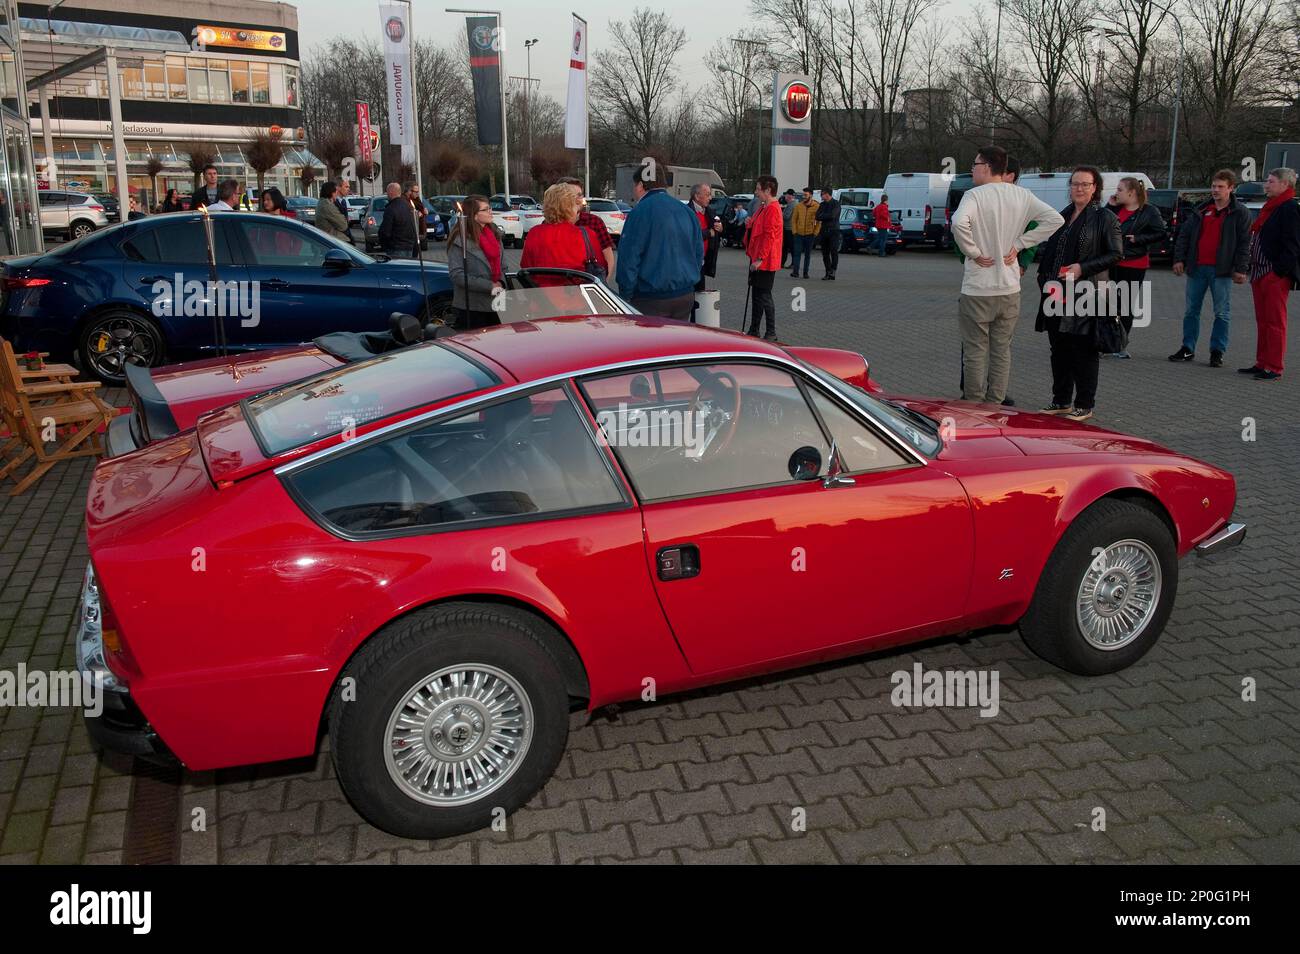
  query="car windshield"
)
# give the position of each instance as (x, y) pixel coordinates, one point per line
(302, 202)
(913, 427)
(601, 205)
(558, 301)
(356, 393)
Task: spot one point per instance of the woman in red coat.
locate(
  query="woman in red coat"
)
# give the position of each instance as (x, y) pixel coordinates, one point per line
(558, 242)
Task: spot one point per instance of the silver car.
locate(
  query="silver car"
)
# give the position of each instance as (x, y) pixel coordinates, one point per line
(303, 207)
(70, 214)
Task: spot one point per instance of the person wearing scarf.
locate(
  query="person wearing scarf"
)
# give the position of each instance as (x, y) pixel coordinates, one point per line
(1274, 271)
(1087, 244)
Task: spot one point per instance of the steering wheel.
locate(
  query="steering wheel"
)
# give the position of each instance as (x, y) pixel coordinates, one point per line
(720, 420)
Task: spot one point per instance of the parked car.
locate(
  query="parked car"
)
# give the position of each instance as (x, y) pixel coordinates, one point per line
(119, 296)
(919, 199)
(608, 212)
(109, 201)
(302, 207)
(517, 201)
(434, 228)
(70, 215)
(416, 535)
(445, 207)
(356, 209)
(858, 230)
(1174, 206)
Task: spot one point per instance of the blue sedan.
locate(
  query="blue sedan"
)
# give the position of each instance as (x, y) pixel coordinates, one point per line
(138, 293)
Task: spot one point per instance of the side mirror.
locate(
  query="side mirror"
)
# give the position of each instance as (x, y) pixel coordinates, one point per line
(336, 258)
(805, 463)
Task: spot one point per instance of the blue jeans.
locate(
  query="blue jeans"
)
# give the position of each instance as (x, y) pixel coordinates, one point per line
(1200, 280)
(803, 248)
(882, 240)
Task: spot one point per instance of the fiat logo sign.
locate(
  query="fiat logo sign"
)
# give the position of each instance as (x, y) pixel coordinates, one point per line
(796, 101)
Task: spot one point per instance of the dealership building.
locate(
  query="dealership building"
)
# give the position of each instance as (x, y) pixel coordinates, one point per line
(202, 76)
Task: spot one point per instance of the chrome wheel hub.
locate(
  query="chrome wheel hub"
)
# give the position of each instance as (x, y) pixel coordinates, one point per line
(458, 734)
(1119, 594)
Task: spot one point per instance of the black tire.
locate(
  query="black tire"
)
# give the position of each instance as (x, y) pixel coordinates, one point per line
(80, 228)
(394, 663)
(1051, 626)
(133, 338)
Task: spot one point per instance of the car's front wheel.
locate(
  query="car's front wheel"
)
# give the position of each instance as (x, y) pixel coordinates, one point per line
(449, 720)
(1106, 592)
(112, 340)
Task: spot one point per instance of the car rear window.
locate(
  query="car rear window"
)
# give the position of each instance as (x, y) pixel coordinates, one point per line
(601, 205)
(355, 394)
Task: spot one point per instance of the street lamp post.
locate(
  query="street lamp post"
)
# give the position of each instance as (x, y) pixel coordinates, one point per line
(528, 109)
(758, 122)
(1178, 92)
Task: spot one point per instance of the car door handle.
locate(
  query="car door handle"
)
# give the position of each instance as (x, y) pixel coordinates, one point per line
(678, 562)
(275, 283)
(152, 279)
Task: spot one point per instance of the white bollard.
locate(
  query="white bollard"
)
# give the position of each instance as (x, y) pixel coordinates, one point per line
(708, 308)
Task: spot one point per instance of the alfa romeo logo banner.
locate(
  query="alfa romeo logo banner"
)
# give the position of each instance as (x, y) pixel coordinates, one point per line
(396, 31)
(575, 118)
(485, 68)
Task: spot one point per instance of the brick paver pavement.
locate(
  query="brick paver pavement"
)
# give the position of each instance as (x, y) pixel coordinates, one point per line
(1185, 770)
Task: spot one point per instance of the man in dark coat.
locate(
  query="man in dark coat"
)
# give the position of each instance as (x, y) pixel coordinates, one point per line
(397, 234)
(828, 216)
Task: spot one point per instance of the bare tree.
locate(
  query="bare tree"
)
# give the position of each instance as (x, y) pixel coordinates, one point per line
(201, 155)
(152, 166)
(263, 153)
(332, 146)
(634, 76)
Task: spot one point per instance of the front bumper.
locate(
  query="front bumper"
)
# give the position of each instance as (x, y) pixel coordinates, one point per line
(120, 726)
(1230, 535)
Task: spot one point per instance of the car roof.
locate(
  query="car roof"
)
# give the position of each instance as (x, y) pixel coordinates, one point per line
(557, 346)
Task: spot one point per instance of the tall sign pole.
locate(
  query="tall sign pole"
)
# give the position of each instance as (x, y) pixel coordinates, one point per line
(577, 118)
(415, 101)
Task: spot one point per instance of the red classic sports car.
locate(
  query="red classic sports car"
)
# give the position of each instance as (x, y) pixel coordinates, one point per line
(439, 552)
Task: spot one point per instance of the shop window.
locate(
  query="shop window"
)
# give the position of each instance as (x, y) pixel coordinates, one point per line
(132, 78)
(277, 84)
(239, 89)
(218, 81)
(176, 79)
(155, 83)
(197, 77)
(261, 80)
(290, 86)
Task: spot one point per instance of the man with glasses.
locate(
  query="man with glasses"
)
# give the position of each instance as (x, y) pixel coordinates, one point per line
(993, 224)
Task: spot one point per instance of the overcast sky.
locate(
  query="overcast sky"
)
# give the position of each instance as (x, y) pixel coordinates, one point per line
(548, 21)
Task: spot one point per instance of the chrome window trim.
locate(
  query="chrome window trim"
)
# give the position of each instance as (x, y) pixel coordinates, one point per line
(558, 379)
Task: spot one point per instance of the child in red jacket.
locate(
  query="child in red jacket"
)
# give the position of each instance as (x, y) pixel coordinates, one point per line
(763, 246)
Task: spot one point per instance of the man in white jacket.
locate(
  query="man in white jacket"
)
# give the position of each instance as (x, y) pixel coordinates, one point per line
(991, 227)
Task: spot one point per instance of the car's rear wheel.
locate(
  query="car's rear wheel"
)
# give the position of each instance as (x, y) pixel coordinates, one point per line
(455, 716)
(1106, 592)
(81, 228)
(112, 340)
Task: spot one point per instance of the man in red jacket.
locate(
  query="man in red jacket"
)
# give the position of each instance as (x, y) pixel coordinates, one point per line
(882, 225)
(763, 246)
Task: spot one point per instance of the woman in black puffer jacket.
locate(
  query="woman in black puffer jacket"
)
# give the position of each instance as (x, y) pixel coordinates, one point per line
(1087, 244)
(1141, 228)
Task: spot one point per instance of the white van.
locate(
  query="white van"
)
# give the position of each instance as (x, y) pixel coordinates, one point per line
(919, 200)
(855, 195)
(1054, 187)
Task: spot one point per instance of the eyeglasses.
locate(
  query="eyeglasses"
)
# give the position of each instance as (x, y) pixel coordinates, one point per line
(978, 162)
(1081, 185)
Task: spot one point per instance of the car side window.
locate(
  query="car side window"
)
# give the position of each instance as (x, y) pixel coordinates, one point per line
(273, 243)
(859, 448)
(522, 458)
(705, 429)
(180, 243)
(848, 215)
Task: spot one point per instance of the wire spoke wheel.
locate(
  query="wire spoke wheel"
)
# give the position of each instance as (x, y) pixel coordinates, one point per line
(1118, 594)
(458, 734)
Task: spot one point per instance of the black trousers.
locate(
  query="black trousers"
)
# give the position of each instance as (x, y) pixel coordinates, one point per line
(787, 245)
(465, 319)
(1075, 363)
(831, 251)
(1134, 275)
(760, 283)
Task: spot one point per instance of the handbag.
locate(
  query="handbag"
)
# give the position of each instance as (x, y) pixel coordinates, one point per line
(1109, 335)
(593, 264)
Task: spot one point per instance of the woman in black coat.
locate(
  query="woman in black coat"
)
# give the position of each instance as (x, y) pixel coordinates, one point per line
(1087, 244)
(1141, 228)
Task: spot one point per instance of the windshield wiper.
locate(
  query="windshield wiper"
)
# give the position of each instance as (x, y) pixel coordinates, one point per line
(928, 423)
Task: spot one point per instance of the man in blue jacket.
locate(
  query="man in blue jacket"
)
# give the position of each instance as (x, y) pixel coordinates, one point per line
(661, 251)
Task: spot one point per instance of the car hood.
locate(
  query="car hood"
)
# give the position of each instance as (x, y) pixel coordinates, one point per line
(970, 429)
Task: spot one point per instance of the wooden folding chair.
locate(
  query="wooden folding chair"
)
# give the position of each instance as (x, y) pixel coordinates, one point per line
(40, 405)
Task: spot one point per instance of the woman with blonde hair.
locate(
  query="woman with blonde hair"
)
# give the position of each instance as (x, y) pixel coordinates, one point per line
(474, 265)
(1141, 228)
(559, 242)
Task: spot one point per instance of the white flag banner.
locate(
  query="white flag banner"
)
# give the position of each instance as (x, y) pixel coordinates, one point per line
(575, 118)
(395, 25)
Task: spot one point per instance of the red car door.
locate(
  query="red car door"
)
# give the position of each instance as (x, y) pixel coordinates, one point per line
(751, 564)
